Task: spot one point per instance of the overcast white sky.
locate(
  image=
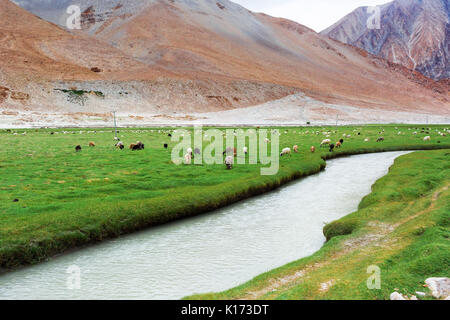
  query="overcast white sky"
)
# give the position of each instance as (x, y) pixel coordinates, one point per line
(315, 14)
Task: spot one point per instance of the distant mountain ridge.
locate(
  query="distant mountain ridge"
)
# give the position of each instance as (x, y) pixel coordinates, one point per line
(175, 56)
(414, 33)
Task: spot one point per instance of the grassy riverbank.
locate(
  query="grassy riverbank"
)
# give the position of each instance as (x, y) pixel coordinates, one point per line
(402, 227)
(68, 199)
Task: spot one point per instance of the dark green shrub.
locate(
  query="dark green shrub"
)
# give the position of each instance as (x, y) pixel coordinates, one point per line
(339, 228)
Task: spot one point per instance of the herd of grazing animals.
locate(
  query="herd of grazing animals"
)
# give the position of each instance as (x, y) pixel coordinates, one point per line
(230, 153)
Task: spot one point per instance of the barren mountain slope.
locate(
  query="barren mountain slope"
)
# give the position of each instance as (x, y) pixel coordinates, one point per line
(414, 33)
(216, 55)
(33, 47)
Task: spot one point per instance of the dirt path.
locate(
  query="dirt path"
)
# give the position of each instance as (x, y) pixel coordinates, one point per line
(370, 239)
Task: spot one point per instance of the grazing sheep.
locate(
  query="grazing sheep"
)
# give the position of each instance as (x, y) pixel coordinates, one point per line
(138, 146)
(229, 160)
(187, 158)
(380, 139)
(325, 142)
(230, 151)
(313, 149)
(166, 145)
(91, 144)
(338, 144)
(120, 145)
(190, 151)
(78, 148)
(227, 151)
(341, 141)
(266, 140)
(366, 140)
(245, 150)
(331, 147)
(427, 138)
(295, 149)
(285, 151)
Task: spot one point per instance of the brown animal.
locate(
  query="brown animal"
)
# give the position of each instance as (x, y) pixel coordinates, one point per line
(338, 144)
(313, 149)
(91, 144)
(295, 149)
(138, 146)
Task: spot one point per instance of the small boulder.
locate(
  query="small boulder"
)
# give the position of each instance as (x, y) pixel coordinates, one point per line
(421, 294)
(397, 296)
(440, 287)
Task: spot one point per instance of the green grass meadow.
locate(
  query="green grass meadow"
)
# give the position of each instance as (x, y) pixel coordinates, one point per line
(402, 227)
(68, 199)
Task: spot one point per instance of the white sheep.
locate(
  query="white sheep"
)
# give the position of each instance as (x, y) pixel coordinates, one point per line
(120, 145)
(245, 149)
(189, 151)
(285, 151)
(427, 138)
(187, 158)
(229, 160)
(325, 142)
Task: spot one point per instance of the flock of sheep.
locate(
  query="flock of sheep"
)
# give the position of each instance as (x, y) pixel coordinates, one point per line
(133, 147)
(231, 153)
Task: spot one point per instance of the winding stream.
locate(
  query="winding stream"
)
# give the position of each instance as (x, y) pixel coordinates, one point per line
(211, 252)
